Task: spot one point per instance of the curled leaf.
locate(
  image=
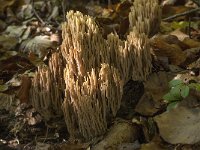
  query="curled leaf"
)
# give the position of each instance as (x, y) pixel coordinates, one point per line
(172, 105)
(175, 82)
(185, 91)
(170, 97)
(175, 91)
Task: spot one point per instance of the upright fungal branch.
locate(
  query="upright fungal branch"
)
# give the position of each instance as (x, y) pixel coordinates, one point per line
(83, 107)
(139, 49)
(82, 43)
(47, 89)
(145, 15)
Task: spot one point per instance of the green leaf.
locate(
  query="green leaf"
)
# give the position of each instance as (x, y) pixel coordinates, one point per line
(176, 91)
(170, 97)
(175, 82)
(172, 106)
(185, 91)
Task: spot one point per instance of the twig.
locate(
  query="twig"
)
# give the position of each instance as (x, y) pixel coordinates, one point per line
(64, 6)
(36, 14)
(182, 14)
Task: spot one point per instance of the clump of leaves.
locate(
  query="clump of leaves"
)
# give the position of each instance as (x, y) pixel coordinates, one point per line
(178, 91)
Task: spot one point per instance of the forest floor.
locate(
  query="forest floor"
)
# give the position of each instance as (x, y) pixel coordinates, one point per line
(162, 113)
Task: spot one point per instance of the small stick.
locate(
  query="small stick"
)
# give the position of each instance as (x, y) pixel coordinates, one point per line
(63, 3)
(189, 27)
(181, 14)
(36, 14)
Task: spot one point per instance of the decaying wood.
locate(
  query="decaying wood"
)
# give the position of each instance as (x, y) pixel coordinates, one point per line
(122, 132)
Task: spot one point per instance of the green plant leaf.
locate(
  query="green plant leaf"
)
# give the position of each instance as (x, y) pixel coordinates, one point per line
(172, 105)
(185, 91)
(176, 91)
(175, 82)
(170, 97)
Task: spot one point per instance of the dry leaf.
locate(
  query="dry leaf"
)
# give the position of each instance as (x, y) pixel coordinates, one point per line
(181, 124)
(4, 5)
(23, 93)
(2, 25)
(180, 35)
(147, 106)
(37, 45)
(7, 42)
(6, 101)
(172, 51)
(152, 101)
(191, 43)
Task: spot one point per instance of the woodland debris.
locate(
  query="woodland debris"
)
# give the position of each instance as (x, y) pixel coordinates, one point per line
(38, 45)
(155, 145)
(147, 105)
(181, 36)
(174, 39)
(181, 14)
(23, 93)
(152, 100)
(7, 42)
(13, 65)
(191, 43)
(195, 64)
(6, 101)
(15, 31)
(121, 132)
(172, 51)
(192, 55)
(76, 146)
(160, 79)
(186, 77)
(181, 124)
(2, 25)
(132, 92)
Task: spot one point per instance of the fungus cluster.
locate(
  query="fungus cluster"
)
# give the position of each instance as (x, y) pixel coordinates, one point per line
(94, 72)
(93, 85)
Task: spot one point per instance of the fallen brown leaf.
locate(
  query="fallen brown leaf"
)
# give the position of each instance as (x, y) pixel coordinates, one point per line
(23, 93)
(172, 51)
(191, 43)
